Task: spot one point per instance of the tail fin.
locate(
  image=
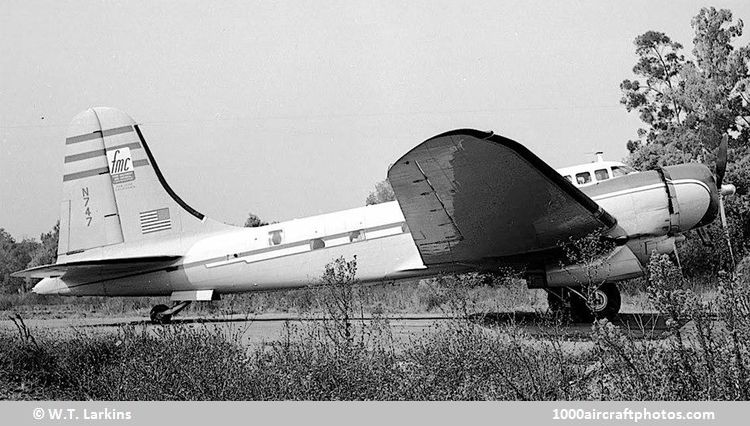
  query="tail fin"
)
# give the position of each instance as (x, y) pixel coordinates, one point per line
(113, 191)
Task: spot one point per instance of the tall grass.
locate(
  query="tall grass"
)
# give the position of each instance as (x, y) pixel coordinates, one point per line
(340, 358)
(417, 296)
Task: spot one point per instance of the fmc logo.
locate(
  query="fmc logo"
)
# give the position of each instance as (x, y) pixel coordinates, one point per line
(120, 165)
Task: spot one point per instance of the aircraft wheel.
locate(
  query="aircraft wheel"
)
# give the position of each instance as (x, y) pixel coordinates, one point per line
(157, 316)
(604, 303)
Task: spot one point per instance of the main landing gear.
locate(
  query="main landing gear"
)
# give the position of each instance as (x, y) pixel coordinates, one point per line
(162, 314)
(604, 302)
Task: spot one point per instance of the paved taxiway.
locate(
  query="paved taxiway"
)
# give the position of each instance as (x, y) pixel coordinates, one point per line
(259, 329)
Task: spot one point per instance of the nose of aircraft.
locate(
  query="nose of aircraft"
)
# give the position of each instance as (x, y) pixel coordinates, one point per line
(697, 194)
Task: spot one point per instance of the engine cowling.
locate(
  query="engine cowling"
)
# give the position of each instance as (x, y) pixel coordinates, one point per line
(655, 203)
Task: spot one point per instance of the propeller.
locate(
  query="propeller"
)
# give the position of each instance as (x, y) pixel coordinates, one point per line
(724, 190)
(721, 161)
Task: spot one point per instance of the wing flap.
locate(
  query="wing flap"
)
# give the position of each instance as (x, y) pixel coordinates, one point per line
(97, 267)
(469, 195)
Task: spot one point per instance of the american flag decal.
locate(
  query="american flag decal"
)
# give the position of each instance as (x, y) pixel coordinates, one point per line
(155, 221)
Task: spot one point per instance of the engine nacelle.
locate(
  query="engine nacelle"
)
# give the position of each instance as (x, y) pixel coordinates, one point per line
(667, 201)
(621, 264)
(652, 209)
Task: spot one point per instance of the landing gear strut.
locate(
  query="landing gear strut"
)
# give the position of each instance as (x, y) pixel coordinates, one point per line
(162, 314)
(604, 302)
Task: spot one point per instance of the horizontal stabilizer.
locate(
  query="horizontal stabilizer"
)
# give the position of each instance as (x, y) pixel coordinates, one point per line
(98, 267)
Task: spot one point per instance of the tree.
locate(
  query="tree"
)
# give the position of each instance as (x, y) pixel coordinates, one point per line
(44, 254)
(14, 256)
(687, 105)
(254, 221)
(383, 193)
(659, 64)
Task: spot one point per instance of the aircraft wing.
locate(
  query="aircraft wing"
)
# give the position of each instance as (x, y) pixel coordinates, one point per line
(470, 196)
(103, 267)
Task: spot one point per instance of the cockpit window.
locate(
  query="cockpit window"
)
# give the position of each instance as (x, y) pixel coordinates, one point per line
(582, 178)
(569, 178)
(601, 174)
(621, 170)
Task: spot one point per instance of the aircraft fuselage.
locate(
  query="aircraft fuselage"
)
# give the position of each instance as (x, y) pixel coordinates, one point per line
(651, 209)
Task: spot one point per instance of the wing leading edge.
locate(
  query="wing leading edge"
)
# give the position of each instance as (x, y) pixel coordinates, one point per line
(469, 196)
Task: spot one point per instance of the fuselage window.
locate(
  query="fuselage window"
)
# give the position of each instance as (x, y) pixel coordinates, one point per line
(358, 235)
(275, 237)
(601, 174)
(582, 178)
(317, 243)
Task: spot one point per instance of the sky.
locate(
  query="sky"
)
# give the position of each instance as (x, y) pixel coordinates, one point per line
(291, 109)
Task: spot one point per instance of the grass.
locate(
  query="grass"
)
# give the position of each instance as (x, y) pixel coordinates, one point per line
(458, 361)
(404, 297)
(339, 358)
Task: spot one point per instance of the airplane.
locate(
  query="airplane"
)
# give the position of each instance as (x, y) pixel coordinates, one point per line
(466, 201)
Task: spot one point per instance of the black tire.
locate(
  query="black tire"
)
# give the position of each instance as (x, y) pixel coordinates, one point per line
(606, 304)
(157, 317)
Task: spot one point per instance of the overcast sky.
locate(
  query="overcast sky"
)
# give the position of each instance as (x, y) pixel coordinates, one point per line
(289, 109)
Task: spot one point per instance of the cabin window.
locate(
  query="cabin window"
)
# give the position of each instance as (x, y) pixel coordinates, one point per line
(275, 237)
(582, 178)
(405, 228)
(317, 243)
(601, 174)
(569, 178)
(358, 235)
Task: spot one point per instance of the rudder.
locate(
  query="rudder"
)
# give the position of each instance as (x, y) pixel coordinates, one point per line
(113, 191)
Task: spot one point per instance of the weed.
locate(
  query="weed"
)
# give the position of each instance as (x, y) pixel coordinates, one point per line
(343, 357)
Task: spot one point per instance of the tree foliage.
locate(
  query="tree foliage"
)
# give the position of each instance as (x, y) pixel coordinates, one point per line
(383, 193)
(686, 105)
(655, 100)
(27, 253)
(253, 221)
(46, 252)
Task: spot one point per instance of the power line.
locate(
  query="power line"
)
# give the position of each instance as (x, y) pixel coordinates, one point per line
(348, 115)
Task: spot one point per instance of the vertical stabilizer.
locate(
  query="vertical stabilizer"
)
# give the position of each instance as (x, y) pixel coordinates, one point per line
(113, 191)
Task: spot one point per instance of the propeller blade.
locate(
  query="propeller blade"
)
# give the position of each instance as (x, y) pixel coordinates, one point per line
(721, 161)
(677, 255)
(705, 240)
(723, 215)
